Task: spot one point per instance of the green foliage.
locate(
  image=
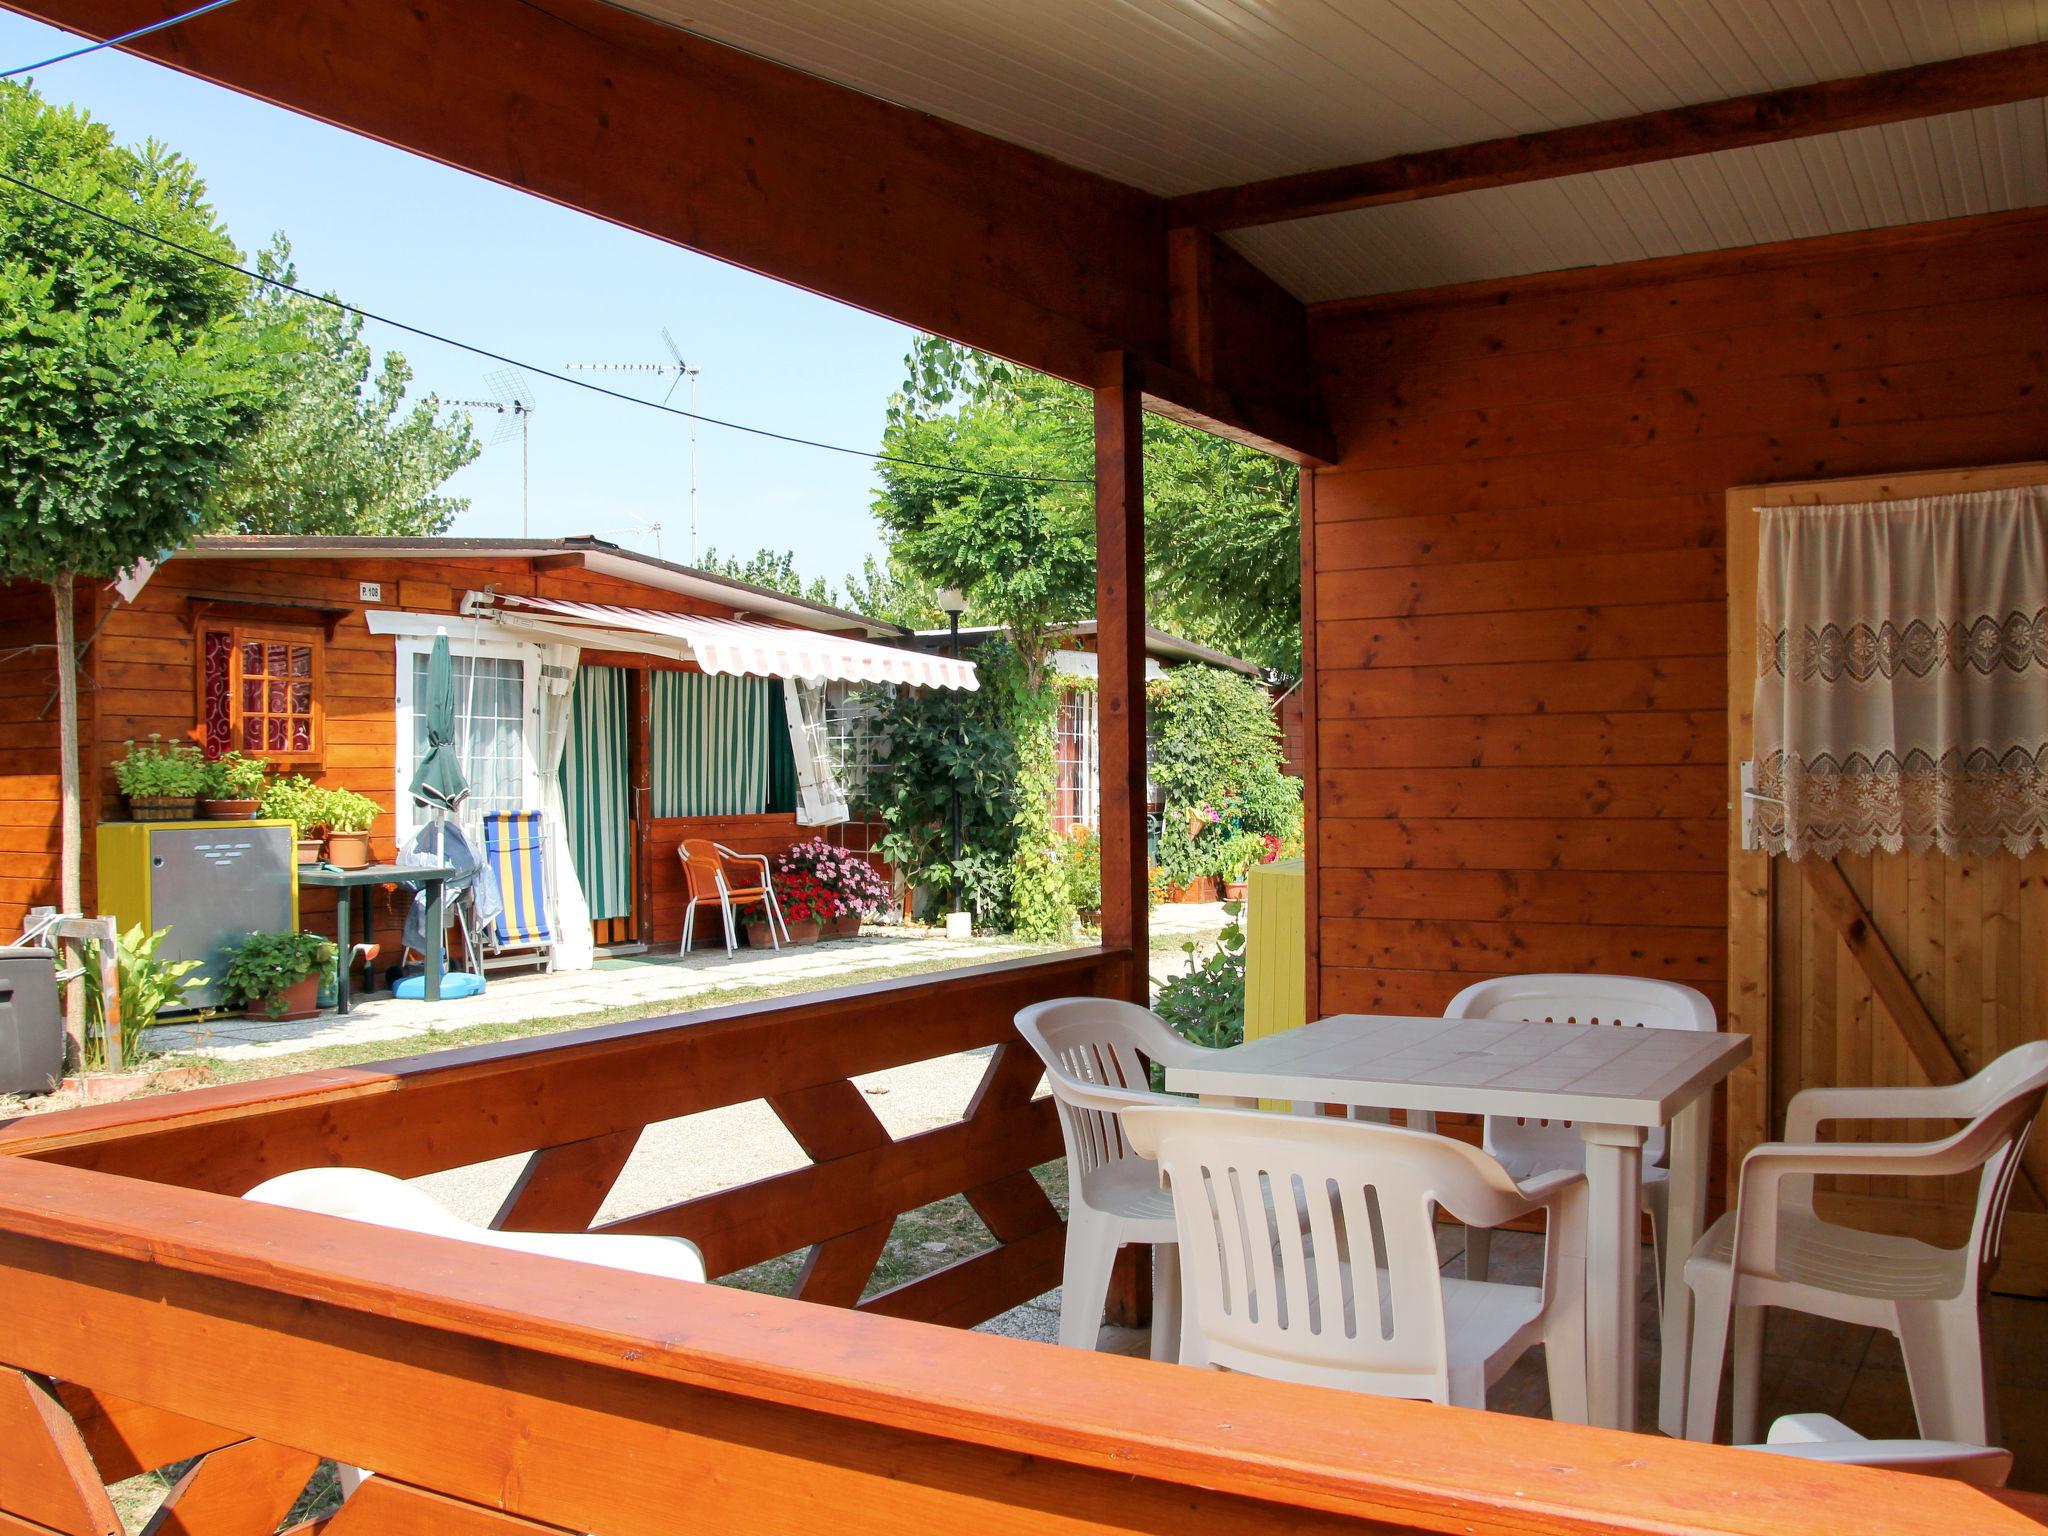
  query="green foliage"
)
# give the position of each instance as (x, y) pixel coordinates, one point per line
(938, 739)
(296, 799)
(264, 966)
(232, 776)
(1238, 852)
(1041, 897)
(1207, 1003)
(1215, 761)
(343, 810)
(129, 373)
(159, 767)
(148, 986)
(774, 569)
(339, 449)
(1023, 550)
(1081, 858)
(1222, 520)
(887, 590)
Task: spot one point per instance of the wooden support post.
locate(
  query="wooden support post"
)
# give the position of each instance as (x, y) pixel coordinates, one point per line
(1120, 660)
(1120, 709)
(1311, 758)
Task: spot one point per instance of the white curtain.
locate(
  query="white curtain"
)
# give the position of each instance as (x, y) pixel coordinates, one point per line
(1902, 676)
(570, 914)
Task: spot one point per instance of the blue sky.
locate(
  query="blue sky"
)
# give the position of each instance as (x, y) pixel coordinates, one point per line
(500, 269)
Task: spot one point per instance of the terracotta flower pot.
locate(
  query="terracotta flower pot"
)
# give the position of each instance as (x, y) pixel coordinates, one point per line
(1201, 888)
(799, 933)
(845, 927)
(348, 850)
(308, 850)
(301, 1000)
(1233, 890)
(161, 807)
(230, 810)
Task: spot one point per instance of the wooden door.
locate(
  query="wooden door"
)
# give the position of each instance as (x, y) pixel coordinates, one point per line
(1878, 969)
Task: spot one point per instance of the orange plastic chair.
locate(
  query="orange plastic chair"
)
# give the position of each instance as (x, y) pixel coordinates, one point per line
(713, 873)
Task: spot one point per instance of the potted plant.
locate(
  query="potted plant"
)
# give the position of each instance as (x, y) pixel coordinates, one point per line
(277, 975)
(348, 818)
(856, 890)
(806, 905)
(162, 780)
(148, 986)
(1237, 856)
(234, 786)
(298, 800)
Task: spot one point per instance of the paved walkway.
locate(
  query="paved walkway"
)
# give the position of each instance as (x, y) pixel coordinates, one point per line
(652, 983)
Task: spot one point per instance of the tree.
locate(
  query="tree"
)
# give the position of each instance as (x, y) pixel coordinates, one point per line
(339, 450)
(1021, 546)
(774, 569)
(128, 372)
(886, 590)
(1222, 520)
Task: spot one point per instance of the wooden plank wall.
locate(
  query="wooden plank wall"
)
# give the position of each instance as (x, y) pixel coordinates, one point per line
(1519, 580)
(139, 677)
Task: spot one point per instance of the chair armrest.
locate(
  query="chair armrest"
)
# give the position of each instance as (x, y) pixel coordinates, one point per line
(1546, 1192)
(1766, 1169)
(1810, 1107)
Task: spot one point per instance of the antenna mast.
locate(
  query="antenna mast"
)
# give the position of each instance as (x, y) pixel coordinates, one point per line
(677, 370)
(514, 405)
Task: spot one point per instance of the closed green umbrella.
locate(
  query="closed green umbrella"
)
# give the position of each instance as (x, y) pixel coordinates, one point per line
(439, 782)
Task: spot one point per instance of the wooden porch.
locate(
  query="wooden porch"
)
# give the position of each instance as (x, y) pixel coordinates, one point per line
(1517, 620)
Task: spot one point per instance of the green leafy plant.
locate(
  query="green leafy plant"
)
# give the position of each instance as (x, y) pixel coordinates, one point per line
(1206, 1004)
(1081, 858)
(1238, 853)
(148, 986)
(265, 966)
(296, 799)
(232, 776)
(343, 810)
(157, 767)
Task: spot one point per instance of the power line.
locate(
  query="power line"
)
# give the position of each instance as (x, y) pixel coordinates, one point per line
(547, 373)
(112, 42)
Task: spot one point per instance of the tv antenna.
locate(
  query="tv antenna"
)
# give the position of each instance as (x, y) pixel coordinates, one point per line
(514, 405)
(639, 525)
(677, 371)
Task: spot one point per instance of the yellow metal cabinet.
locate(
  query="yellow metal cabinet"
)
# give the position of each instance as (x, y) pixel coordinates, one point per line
(208, 882)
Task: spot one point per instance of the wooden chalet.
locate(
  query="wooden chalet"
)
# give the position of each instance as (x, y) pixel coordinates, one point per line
(647, 763)
(1533, 294)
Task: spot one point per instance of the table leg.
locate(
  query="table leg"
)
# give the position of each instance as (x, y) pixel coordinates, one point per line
(1691, 1149)
(1614, 1221)
(344, 905)
(437, 939)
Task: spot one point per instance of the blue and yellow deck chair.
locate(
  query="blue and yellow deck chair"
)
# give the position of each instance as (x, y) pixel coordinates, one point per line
(515, 848)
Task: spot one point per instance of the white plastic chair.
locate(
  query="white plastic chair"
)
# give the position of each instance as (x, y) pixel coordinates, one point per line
(1822, 1437)
(362, 1194)
(1772, 1250)
(1282, 1218)
(1097, 1052)
(1527, 1148)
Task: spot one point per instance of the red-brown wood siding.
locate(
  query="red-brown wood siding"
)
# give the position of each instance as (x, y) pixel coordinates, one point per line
(1519, 582)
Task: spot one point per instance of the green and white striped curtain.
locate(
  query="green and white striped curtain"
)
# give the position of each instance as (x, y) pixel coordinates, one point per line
(595, 794)
(709, 744)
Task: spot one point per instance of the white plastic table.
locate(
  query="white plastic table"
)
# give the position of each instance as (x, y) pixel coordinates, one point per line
(1615, 1083)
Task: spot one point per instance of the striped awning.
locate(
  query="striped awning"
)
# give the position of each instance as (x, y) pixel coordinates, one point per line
(732, 647)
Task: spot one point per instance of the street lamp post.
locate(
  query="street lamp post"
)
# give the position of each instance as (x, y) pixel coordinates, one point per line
(953, 601)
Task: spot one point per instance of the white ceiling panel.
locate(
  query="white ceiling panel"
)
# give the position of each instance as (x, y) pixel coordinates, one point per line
(1904, 173)
(1182, 95)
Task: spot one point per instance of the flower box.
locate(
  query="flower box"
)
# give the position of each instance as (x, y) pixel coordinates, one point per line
(800, 932)
(845, 926)
(162, 807)
(300, 1000)
(230, 810)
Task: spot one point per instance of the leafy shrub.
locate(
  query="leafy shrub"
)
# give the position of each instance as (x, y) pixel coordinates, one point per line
(264, 966)
(148, 986)
(232, 776)
(1081, 857)
(935, 740)
(157, 767)
(1206, 1005)
(1215, 760)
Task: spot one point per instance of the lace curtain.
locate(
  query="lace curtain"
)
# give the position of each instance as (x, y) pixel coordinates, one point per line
(1902, 676)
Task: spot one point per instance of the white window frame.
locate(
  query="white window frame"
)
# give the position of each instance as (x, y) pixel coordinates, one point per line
(411, 817)
(855, 740)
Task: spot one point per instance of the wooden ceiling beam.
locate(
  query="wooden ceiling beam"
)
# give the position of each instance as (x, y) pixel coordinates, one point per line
(647, 126)
(1832, 106)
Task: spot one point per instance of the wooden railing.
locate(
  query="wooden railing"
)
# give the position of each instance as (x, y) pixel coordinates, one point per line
(145, 1318)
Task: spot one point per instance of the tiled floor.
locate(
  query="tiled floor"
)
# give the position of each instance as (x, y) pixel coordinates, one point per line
(1811, 1365)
